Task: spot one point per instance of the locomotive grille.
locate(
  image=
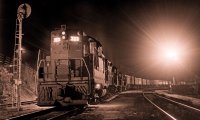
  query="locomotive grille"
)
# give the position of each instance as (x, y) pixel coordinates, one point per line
(82, 89)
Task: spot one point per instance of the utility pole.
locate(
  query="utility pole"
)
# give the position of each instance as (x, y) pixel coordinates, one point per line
(23, 11)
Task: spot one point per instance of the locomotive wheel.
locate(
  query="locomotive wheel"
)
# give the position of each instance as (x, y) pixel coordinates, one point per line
(96, 97)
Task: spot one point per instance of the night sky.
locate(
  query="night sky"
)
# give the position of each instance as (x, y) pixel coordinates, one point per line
(132, 32)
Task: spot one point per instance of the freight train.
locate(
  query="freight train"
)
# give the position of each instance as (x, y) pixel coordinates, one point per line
(76, 71)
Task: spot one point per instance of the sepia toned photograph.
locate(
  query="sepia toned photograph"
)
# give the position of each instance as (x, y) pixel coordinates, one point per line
(99, 59)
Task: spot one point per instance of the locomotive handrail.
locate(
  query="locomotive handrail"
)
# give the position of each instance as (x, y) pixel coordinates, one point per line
(88, 75)
(36, 75)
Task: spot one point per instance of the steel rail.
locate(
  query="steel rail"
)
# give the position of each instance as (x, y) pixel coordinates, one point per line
(49, 112)
(32, 114)
(23, 103)
(163, 111)
(66, 114)
(181, 104)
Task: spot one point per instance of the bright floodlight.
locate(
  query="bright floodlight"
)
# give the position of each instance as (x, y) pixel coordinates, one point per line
(172, 54)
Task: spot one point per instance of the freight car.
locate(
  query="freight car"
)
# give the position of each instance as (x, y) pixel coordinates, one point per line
(76, 71)
(129, 82)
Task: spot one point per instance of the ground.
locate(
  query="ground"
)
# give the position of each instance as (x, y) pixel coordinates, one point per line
(10, 112)
(126, 106)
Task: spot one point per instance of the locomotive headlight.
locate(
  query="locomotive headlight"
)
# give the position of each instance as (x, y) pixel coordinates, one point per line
(56, 39)
(63, 32)
(97, 86)
(74, 38)
(63, 37)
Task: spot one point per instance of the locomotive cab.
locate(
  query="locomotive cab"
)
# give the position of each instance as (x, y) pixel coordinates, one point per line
(64, 76)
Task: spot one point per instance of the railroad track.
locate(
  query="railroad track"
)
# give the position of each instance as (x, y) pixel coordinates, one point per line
(50, 113)
(55, 113)
(172, 109)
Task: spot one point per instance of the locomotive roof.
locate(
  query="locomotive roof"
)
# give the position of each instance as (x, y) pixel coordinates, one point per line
(91, 39)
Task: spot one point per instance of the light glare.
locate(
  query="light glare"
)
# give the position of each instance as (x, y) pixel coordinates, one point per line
(98, 86)
(74, 38)
(56, 39)
(172, 54)
(63, 32)
(63, 37)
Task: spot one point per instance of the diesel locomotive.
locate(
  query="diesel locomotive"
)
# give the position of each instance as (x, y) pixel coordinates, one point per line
(76, 71)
